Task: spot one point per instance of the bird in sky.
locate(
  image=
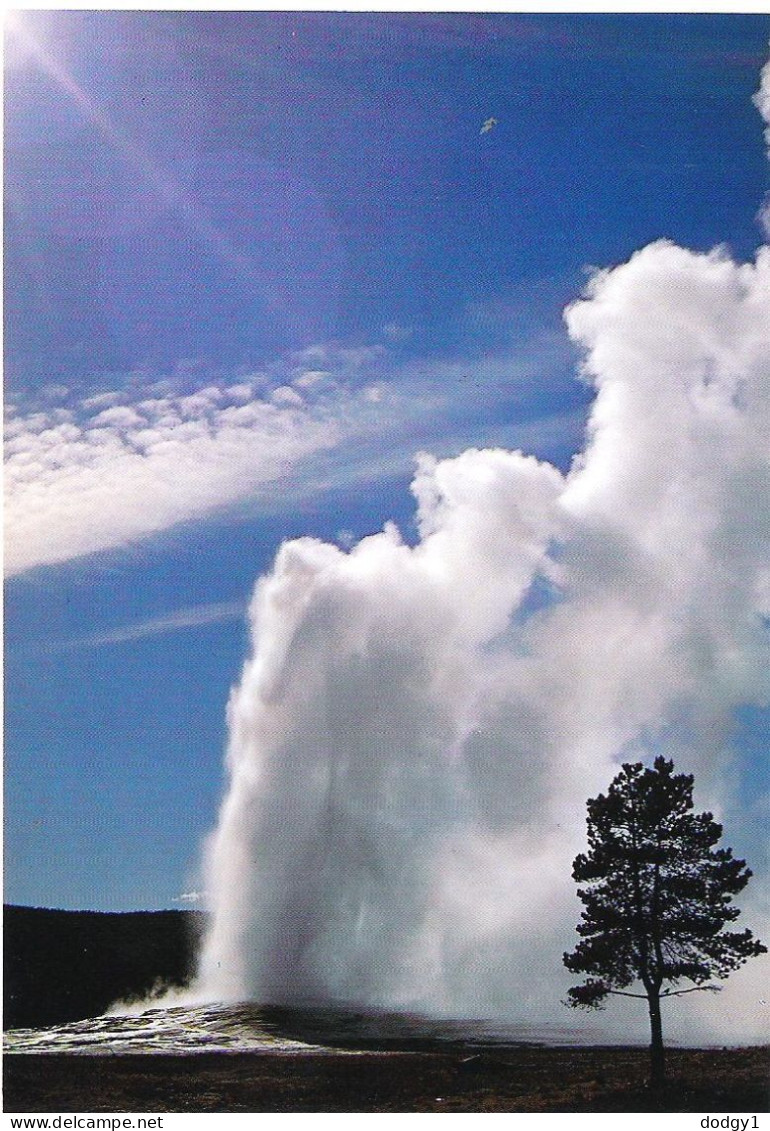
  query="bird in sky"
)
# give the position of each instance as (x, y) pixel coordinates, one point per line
(488, 125)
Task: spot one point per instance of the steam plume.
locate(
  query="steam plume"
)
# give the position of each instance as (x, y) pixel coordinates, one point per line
(418, 727)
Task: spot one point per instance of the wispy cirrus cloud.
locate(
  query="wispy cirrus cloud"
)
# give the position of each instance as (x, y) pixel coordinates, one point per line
(197, 616)
(94, 476)
(107, 470)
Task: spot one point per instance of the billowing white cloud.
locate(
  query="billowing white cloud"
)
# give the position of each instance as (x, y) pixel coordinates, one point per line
(414, 737)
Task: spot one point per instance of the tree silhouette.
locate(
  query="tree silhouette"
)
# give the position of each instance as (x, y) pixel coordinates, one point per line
(657, 896)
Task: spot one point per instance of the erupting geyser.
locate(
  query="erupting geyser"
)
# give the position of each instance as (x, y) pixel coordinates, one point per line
(413, 740)
(415, 735)
(352, 789)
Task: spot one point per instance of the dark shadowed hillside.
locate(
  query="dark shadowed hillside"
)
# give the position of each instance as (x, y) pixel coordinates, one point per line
(66, 965)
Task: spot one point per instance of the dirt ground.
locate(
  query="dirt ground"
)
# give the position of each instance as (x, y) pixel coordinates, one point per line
(520, 1079)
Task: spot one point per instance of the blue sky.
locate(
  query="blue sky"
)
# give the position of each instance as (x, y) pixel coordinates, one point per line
(254, 263)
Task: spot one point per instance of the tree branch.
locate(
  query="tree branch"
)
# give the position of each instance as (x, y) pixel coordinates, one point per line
(692, 990)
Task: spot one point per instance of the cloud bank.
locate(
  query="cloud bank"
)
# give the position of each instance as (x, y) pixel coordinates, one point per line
(414, 737)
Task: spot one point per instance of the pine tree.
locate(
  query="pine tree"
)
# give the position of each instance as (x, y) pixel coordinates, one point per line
(657, 896)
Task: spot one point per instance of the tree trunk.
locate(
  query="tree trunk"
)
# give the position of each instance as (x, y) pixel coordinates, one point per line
(657, 1055)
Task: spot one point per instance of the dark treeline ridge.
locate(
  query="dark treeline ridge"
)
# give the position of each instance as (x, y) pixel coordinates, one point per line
(61, 966)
